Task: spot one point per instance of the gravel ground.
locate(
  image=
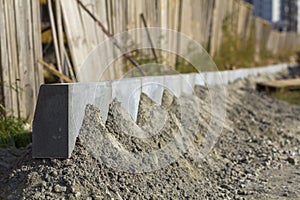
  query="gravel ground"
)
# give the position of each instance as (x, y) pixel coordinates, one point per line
(257, 155)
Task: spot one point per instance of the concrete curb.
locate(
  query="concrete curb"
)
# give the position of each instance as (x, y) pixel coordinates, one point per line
(60, 107)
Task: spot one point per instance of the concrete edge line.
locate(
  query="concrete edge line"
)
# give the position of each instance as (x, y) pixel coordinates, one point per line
(60, 107)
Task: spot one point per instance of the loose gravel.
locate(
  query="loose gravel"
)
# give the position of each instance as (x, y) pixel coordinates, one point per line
(257, 156)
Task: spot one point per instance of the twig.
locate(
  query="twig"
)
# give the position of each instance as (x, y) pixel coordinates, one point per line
(149, 37)
(72, 74)
(114, 41)
(54, 71)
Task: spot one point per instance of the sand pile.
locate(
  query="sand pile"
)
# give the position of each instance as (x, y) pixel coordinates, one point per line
(257, 155)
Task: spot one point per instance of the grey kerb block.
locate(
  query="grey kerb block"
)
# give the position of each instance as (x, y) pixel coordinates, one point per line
(60, 108)
(50, 135)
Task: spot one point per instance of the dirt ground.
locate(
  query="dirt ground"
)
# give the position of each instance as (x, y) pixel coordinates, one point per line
(257, 156)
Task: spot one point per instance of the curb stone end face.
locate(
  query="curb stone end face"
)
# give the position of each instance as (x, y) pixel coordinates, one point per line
(50, 131)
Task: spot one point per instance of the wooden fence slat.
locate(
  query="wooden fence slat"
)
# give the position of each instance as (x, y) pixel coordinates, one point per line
(219, 14)
(6, 90)
(22, 53)
(12, 54)
(75, 35)
(30, 84)
(89, 24)
(37, 51)
(101, 10)
(37, 45)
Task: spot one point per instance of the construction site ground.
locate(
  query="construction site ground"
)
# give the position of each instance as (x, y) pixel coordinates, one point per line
(257, 156)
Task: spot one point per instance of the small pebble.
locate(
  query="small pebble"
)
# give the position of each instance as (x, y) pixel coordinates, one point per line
(58, 188)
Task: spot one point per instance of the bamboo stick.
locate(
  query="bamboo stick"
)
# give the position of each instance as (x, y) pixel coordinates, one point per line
(60, 34)
(54, 36)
